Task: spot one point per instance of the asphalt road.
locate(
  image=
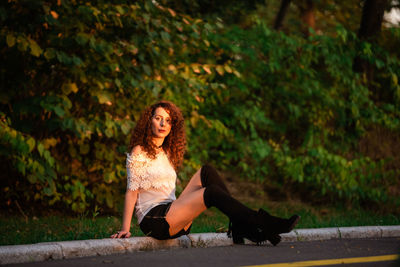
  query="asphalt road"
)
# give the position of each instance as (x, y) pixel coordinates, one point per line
(347, 250)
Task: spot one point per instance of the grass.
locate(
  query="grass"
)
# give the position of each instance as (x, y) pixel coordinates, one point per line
(19, 230)
(29, 229)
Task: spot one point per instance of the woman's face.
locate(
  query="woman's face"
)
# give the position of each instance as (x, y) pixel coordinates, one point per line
(161, 123)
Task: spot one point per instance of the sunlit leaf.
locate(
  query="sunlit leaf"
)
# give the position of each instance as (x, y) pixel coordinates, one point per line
(31, 142)
(220, 70)
(10, 40)
(35, 48)
(228, 69)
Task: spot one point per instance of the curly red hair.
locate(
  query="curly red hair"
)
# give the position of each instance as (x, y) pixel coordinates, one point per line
(174, 144)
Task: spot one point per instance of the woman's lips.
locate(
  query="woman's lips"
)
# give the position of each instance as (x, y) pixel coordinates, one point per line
(162, 131)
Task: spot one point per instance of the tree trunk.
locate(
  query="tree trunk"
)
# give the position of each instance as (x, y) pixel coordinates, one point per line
(372, 18)
(370, 27)
(307, 10)
(281, 14)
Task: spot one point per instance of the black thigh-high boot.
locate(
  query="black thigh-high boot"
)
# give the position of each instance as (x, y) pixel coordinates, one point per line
(247, 223)
(237, 229)
(209, 176)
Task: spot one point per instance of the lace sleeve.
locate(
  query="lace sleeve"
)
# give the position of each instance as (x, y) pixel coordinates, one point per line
(136, 167)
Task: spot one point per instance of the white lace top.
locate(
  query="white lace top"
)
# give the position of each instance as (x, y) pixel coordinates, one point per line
(154, 178)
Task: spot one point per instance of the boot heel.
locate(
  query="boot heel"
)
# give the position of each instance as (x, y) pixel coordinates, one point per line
(293, 222)
(274, 239)
(237, 239)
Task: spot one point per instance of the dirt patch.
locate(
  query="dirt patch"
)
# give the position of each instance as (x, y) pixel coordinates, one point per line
(381, 143)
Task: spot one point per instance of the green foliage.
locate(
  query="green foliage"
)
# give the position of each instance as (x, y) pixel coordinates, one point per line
(299, 111)
(76, 75)
(232, 11)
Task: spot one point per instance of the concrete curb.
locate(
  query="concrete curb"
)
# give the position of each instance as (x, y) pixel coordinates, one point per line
(100, 247)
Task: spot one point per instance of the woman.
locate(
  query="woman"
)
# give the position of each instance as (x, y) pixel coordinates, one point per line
(157, 147)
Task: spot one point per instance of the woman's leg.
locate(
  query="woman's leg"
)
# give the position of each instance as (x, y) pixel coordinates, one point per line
(204, 177)
(195, 199)
(190, 205)
(185, 209)
(191, 202)
(260, 225)
(193, 185)
(209, 176)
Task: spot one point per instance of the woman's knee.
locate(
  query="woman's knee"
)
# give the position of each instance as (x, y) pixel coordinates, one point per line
(207, 167)
(209, 176)
(207, 171)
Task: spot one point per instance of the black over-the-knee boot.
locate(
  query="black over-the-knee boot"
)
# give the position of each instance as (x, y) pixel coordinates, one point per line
(257, 228)
(237, 228)
(209, 176)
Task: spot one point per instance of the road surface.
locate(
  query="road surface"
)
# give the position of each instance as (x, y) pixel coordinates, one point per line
(344, 252)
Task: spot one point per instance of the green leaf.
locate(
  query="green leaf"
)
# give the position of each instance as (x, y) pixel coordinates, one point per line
(379, 63)
(67, 88)
(72, 151)
(165, 36)
(109, 177)
(59, 111)
(120, 9)
(63, 57)
(48, 191)
(228, 69)
(22, 44)
(21, 167)
(51, 161)
(237, 74)
(50, 53)
(84, 149)
(103, 97)
(35, 48)
(220, 70)
(32, 178)
(40, 149)
(147, 69)
(109, 200)
(46, 155)
(31, 143)
(109, 132)
(118, 83)
(76, 60)
(10, 40)
(82, 38)
(66, 102)
(394, 79)
(125, 127)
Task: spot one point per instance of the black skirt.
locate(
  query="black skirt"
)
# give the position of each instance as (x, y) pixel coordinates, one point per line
(155, 225)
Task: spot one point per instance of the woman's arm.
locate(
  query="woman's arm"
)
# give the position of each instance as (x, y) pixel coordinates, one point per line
(130, 201)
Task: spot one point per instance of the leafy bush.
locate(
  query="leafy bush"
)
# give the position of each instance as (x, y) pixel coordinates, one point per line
(76, 75)
(299, 111)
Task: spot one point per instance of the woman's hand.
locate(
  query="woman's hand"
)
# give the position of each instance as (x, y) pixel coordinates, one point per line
(121, 234)
(130, 200)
